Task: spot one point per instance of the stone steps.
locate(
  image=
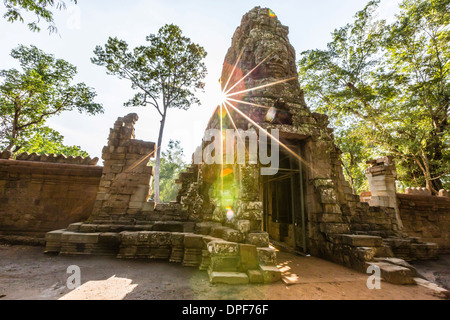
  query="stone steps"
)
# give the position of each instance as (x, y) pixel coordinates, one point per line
(226, 262)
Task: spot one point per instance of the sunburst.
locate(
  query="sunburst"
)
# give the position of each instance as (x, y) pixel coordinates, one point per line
(227, 99)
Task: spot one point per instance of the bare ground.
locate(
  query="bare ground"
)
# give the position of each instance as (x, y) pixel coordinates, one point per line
(27, 273)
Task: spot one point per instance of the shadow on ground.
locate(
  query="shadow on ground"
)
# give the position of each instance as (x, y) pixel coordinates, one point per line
(27, 273)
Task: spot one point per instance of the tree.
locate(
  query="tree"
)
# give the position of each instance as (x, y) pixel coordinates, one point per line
(172, 164)
(166, 73)
(389, 86)
(39, 7)
(42, 89)
(48, 141)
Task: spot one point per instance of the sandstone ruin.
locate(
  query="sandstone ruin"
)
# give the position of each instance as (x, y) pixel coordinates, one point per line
(225, 215)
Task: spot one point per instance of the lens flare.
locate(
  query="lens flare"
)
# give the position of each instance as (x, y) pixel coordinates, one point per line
(272, 14)
(230, 214)
(271, 114)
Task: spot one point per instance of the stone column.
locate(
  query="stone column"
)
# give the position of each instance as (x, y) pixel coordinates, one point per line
(381, 175)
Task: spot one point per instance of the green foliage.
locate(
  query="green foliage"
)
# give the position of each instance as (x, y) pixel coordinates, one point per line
(386, 90)
(166, 69)
(39, 7)
(40, 90)
(48, 141)
(172, 164)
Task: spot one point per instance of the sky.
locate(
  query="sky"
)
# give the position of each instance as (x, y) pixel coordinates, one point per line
(210, 23)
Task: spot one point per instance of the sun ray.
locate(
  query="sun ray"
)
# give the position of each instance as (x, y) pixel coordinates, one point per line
(234, 125)
(234, 67)
(140, 161)
(263, 86)
(261, 128)
(249, 103)
(242, 79)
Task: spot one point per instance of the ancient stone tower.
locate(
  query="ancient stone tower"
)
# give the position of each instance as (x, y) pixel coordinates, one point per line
(225, 214)
(307, 205)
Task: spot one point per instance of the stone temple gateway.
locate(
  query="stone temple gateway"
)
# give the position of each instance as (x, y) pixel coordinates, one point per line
(225, 215)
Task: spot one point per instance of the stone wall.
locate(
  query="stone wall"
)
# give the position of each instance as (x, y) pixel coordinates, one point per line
(426, 217)
(39, 196)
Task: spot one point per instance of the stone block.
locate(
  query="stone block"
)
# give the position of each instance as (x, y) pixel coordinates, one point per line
(394, 274)
(361, 240)
(110, 238)
(54, 235)
(193, 241)
(73, 237)
(243, 226)
(334, 228)
(250, 215)
(223, 248)
(177, 239)
(267, 256)
(228, 277)
(205, 227)
(259, 239)
(249, 257)
(270, 274)
(86, 228)
(255, 276)
(188, 227)
(232, 235)
(148, 206)
(398, 262)
(327, 196)
(74, 226)
(170, 226)
(129, 237)
(224, 263)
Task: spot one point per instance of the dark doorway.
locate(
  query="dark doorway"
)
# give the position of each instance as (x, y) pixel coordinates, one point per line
(283, 201)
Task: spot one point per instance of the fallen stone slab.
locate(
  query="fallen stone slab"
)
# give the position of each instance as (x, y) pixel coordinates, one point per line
(435, 289)
(228, 277)
(397, 262)
(394, 274)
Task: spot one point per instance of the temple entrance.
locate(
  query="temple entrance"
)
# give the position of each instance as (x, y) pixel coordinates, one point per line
(284, 201)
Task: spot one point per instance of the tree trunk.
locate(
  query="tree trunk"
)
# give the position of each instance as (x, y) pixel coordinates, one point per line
(158, 157)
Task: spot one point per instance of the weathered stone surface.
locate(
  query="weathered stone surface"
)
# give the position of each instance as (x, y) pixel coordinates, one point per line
(223, 248)
(255, 276)
(193, 241)
(205, 227)
(228, 277)
(171, 226)
(270, 274)
(232, 235)
(260, 239)
(79, 237)
(398, 262)
(249, 257)
(267, 256)
(124, 186)
(361, 240)
(395, 274)
(224, 263)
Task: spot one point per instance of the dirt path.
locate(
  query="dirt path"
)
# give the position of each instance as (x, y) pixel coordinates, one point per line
(26, 273)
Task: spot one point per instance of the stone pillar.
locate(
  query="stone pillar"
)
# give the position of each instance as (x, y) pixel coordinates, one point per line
(381, 175)
(125, 182)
